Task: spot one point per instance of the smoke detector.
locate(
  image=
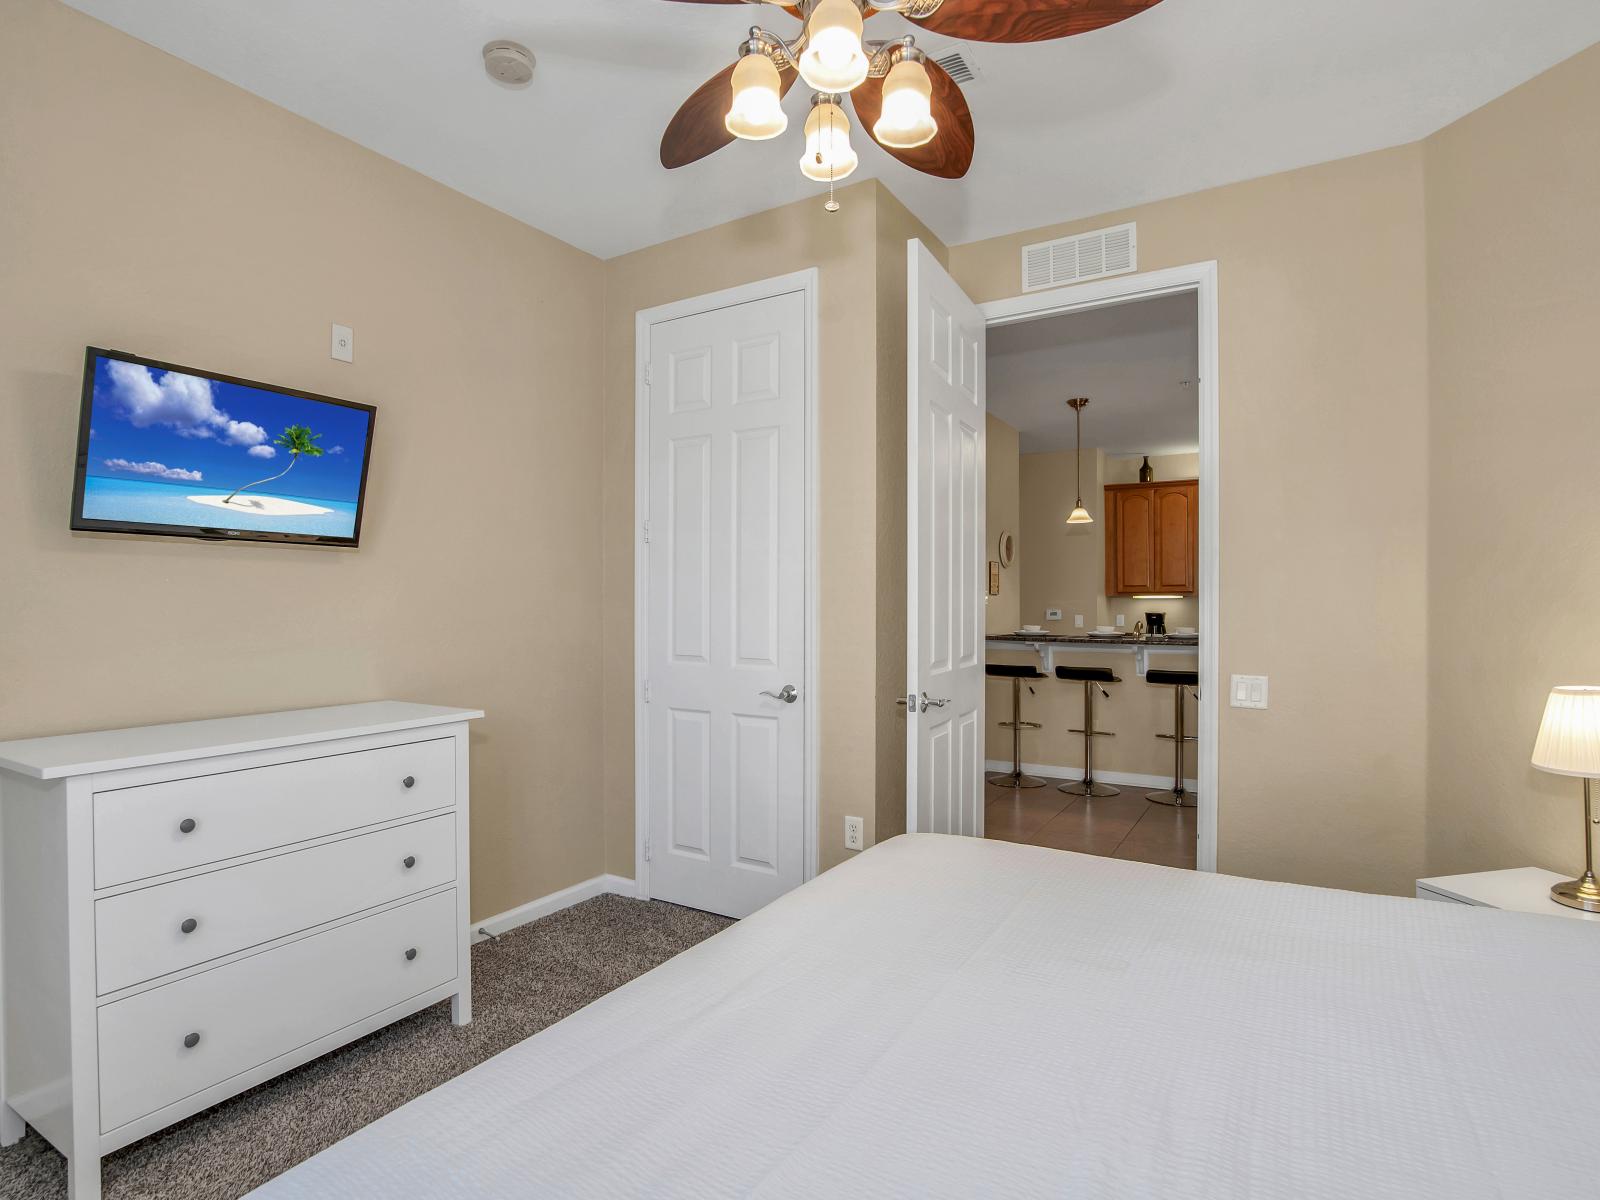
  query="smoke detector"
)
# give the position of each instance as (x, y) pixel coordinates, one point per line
(510, 64)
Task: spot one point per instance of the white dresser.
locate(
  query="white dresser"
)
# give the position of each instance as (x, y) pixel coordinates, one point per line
(188, 910)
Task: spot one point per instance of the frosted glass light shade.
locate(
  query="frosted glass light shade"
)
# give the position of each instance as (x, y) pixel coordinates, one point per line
(1080, 516)
(1569, 736)
(906, 121)
(829, 156)
(833, 60)
(757, 113)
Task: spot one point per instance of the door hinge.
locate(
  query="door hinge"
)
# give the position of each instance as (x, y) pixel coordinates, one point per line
(647, 691)
(647, 375)
(647, 532)
(647, 849)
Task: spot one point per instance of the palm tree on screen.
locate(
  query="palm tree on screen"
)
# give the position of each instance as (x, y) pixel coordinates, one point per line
(297, 440)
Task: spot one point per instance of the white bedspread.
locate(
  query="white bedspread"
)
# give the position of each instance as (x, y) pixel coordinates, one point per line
(951, 1017)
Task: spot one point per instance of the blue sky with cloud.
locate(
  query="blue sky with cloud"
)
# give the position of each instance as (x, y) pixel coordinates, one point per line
(167, 427)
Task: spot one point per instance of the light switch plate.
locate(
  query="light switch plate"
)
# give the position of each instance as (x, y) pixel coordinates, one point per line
(1052, 614)
(1248, 691)
(1121, 620)
(344, 343)
(1077, 620)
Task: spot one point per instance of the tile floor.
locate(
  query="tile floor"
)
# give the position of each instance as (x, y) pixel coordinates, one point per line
(1124, 826)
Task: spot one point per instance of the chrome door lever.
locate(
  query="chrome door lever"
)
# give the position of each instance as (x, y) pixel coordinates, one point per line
(788, 695)
(928, 702)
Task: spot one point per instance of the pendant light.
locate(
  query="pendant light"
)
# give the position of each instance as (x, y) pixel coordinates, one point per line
(1080, 514)
(757, 112)
(834, 60)
(829, 156)
(906, 121)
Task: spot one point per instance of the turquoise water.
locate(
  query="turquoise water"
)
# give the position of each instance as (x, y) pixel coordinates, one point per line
(141, 502)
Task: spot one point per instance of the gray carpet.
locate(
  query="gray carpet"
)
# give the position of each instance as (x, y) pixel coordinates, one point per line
(530, 978)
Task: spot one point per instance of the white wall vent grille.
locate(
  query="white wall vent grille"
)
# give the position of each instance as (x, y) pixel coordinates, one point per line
(1094, 255)
(957, 65)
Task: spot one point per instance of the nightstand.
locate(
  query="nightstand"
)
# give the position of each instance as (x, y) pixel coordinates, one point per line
(1521, 889)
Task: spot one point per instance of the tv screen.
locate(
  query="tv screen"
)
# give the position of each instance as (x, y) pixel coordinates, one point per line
(170, 450)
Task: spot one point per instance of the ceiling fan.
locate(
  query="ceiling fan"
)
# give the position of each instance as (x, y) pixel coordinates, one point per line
(908, 104)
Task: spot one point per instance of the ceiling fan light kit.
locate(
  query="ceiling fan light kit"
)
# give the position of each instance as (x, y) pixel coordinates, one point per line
(908, 104)
(757, 114)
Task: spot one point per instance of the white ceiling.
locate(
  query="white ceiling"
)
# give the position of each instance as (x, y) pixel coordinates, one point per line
(1135, 362)
(1188, 95)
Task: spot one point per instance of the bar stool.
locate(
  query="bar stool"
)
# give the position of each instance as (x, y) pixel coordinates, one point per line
(1014, 778)
(1092, 678)
(1179, 681)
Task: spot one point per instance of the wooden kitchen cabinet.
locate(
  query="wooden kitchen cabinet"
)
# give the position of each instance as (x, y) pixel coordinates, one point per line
(1152, 538)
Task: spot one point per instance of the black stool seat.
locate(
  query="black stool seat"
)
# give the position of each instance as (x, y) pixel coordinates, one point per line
(1088, 674)
(1014, 671)
(1173, 678)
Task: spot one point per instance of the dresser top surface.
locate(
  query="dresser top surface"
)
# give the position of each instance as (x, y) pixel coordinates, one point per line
(149, 745)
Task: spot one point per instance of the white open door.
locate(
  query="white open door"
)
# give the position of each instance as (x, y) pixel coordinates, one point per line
(945, 552)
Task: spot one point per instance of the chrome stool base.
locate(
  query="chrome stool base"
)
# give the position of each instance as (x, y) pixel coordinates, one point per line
(1173, 798)
(1089, 787)
(1013, 779)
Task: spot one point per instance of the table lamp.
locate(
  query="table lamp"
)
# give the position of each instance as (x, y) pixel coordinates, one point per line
(1569, 744)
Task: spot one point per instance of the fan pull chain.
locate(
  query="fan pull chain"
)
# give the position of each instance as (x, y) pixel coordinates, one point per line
(832, 205)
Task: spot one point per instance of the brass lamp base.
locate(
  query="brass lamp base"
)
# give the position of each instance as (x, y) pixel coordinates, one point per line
(1578, 893)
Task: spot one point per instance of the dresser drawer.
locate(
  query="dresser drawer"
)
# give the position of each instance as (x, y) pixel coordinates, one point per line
(157, 930)
(249, 1012)
(161, 827)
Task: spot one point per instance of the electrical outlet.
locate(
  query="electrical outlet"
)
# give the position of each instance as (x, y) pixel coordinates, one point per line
(344, 343)
(1121, 620)
(855, 833)
(1052, 614)
(1248, 691)
(1077, 620)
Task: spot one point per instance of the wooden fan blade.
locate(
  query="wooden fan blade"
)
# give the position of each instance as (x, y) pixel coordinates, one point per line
(697, 128)
(1027, 20)
(950, 153)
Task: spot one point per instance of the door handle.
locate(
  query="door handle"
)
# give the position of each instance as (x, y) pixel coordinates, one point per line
(788, 695)
(928, 702)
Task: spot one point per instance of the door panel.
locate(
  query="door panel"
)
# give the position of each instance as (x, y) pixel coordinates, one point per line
(1176, 522)
(726, 613)
(945, 551)
(1133, 546)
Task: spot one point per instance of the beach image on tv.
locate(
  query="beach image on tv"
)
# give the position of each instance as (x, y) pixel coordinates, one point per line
(166, 448)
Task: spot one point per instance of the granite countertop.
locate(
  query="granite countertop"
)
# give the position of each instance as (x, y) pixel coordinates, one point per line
(1082, 639)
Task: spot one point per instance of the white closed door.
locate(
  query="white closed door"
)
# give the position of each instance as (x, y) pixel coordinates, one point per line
(726, 692)
(945, 552)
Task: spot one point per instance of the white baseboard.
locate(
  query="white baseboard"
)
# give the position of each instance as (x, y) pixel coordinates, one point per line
(1128, 778)
(600, 885)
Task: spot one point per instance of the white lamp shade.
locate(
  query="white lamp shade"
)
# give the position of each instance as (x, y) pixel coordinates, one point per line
(757, 113)
(1569, 736)
(906, 121)
(833, 60)
(829, 156)
(1080, 516)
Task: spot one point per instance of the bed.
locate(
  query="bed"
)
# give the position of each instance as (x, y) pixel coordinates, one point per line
(951, 1017)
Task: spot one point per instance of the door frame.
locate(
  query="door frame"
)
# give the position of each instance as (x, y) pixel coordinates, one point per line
(805, 282)
(1201, 280)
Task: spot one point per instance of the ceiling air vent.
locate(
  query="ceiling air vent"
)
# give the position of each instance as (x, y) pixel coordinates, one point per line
(1113, 251)
(956, 66)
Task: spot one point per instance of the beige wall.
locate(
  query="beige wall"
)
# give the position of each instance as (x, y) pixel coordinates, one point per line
(861, 542)
(1514, 556)
(1324, 499)
(1003, 509)
(148, 206)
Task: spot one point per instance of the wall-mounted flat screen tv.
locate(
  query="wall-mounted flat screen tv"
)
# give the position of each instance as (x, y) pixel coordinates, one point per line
(164, 449)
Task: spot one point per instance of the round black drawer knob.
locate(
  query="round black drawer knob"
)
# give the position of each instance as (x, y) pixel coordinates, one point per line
(190, 1042)
(186, 825)
(411, 954)
(189, 925)
(410, 781)
(409, 861)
